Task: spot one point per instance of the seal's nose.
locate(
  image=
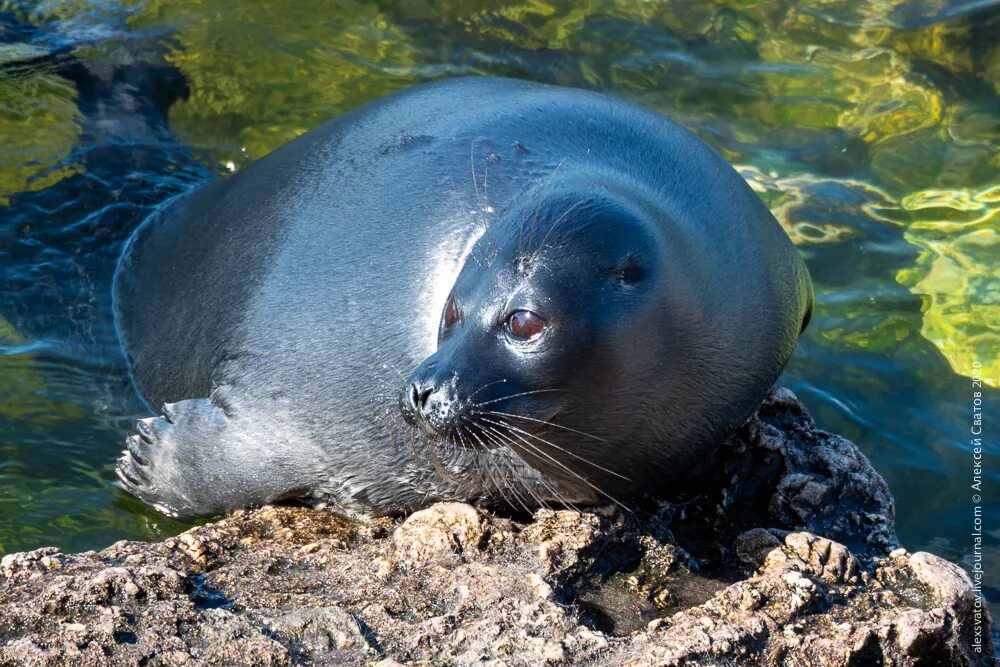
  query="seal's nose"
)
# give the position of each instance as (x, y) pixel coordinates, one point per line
(429, 405)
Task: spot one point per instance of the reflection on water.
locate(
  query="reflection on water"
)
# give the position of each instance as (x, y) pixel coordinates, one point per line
(958, 272)
(871, 129)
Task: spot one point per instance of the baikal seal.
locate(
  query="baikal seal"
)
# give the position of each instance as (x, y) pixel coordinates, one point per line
(477, 289)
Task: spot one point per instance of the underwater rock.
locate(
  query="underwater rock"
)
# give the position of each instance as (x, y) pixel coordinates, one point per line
(786, 556)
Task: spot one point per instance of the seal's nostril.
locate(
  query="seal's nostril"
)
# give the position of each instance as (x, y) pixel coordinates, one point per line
(420, 395)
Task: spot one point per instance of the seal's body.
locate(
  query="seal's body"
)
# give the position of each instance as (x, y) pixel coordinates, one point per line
(479, 289)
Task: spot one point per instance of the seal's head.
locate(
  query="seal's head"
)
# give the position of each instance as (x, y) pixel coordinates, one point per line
(569, 340)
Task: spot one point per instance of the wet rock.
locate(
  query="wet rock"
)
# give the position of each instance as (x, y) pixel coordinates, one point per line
(786, 556)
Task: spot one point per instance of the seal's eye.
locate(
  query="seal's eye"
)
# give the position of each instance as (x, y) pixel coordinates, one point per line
(451, 313)
(525, 325)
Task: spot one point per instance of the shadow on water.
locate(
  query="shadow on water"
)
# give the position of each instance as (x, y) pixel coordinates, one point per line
(868, 127)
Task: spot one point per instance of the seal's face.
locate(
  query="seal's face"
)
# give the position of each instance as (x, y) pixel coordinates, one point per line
(543, 339)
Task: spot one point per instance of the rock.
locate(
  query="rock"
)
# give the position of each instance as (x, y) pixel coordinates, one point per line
(753, 546)
(809, 479)
(444, 531)
(787, 556)
(322, 629)
(949, 584)
(817, 556)
(561, 536)
(26, 564)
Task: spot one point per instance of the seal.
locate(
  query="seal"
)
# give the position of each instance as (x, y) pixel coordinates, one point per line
(477, 289)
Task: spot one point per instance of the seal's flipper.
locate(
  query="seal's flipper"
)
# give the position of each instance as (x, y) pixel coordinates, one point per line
(199, 459)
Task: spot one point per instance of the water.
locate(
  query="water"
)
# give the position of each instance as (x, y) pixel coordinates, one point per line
(871, 129)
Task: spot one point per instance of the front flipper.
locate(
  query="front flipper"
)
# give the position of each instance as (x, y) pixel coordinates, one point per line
(198, 459)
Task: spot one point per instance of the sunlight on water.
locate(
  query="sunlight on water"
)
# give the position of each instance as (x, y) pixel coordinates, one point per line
(958, 273)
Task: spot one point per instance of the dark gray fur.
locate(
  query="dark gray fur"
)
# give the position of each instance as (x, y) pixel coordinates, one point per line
(282, 310)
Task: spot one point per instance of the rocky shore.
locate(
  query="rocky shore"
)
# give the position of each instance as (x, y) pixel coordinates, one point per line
(786, 556)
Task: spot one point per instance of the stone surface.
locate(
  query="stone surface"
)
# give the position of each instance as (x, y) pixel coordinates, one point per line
(785, 556)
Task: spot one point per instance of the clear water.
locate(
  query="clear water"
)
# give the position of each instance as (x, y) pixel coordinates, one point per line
(871, 128)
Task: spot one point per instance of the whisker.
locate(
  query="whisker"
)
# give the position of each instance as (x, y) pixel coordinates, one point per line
(541, 477)
(545, 188)
(513, 474)
(461, 436)
(479, 200)
(459, 195)
(439, 468)
(556, 223)
(499, 439)
(547, 423)
(393, 367)
(538, 500)
(461, 439)
(498, 486)
(411, 440)
(555, 493)
(561, 449)
(488, 384)
(476, 461)
(486, 210)
(539, 451)
(504, 398)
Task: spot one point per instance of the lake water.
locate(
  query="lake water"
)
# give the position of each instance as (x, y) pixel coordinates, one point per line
(871, 129)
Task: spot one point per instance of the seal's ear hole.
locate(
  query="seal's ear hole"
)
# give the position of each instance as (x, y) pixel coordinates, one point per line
(629, 271)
